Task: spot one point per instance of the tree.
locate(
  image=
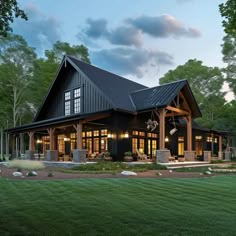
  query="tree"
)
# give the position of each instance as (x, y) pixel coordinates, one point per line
(45, 69)
(8, 11)
(228, 11)
(16, 71)
(206, 84)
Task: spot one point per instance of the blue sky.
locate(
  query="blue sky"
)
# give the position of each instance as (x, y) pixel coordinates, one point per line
(138, 39)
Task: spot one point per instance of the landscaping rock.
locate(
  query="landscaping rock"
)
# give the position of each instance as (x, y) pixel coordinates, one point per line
(17, 174)
(208, 173)
(32, 173)
(126, 172)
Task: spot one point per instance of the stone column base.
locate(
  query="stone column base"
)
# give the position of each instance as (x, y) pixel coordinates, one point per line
(227, 156)
(189, 155)
(29, 155)
(51, 155)
(162, 156)
(79, 155)
(207, 155)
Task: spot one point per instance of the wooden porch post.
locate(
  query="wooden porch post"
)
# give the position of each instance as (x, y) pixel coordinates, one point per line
(79, 128)
(51, 138)
(189, 133)
(162, 129)
(31, 141)
(220, 143)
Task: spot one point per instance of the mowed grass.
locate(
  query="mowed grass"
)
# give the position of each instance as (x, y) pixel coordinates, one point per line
(118, 206)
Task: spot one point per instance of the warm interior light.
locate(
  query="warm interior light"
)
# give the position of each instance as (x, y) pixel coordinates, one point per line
(166, 139)
(66, 139)
(39, 141)
(126, 135)
(109, 135)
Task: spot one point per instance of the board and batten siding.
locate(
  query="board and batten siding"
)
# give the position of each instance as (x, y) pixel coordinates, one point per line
(92, 100)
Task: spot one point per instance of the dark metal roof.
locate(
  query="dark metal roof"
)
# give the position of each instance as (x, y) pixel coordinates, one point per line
(115, 87)
(163, 95)
(56, 121)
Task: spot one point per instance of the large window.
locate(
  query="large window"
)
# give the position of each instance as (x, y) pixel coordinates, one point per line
(73, 101)
(77, 102)
(95, 141)
(67, 103)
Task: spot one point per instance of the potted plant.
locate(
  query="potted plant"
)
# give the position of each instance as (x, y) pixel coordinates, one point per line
(128, 156)
(107, 156)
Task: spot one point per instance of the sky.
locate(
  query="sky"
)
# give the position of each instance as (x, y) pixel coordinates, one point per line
(138, 39)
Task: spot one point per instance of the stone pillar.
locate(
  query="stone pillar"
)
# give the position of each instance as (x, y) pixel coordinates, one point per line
(207, 155)
(79, 155)
(227, 156)
(162, 156)
(51, 155)
(189, 155)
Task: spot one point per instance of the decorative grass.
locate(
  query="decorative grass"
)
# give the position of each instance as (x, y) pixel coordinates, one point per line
(117, 166)
(204, 206)
(192, 169)
(26, 164)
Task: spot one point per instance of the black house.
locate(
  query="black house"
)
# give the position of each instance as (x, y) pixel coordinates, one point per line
(91, 109)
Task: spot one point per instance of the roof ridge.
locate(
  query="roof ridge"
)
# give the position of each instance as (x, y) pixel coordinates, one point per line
(98, 68)
(158, 86)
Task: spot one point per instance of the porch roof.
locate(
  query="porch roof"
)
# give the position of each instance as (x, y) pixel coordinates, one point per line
(39, 125)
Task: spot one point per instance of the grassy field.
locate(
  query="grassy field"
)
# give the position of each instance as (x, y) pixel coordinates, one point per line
(203, 206)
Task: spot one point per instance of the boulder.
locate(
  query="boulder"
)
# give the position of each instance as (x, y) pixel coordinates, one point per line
(126, 172)
(17, 174)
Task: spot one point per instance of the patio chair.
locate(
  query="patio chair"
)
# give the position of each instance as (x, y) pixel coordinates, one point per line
(141, 156)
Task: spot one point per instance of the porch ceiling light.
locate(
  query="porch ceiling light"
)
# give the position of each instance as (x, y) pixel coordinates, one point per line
(126, 135)
(173, 131)
(66, 139)
(166, 139)
(39, 141)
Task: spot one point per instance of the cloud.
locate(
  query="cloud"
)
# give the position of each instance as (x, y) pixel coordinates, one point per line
(163, 26)
(96, 28)
(123, 35)
(40, 31)
(129, 61)
(131, 32)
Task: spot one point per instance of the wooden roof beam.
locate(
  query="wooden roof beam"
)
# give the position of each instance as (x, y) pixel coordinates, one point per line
(177, 110)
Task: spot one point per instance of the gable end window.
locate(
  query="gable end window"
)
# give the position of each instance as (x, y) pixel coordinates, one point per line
(77, 100)
(67, 103)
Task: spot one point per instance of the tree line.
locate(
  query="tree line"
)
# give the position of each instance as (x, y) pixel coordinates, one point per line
(25, 78)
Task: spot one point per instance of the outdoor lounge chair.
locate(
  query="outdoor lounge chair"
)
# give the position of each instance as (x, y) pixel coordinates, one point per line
(141, 156)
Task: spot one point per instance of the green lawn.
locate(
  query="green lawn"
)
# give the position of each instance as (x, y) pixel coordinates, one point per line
(204, 206)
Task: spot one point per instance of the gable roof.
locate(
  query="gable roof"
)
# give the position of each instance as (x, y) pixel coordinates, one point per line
(115, 87)
(163, 95)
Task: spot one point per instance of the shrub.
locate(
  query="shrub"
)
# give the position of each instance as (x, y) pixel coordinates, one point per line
(128, 153)
(216, 161)
(18, 169)
(26, 164)
(107, 154)
(50, 174)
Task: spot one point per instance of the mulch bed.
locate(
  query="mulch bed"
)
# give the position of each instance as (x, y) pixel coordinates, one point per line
(57, 175)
